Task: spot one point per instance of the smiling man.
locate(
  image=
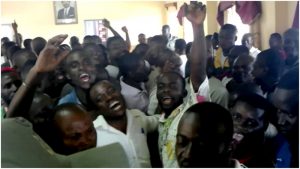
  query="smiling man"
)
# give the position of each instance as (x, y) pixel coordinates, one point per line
(115, 118)
(82, 73)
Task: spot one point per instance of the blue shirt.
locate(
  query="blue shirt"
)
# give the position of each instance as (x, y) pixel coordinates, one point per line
(69, 98)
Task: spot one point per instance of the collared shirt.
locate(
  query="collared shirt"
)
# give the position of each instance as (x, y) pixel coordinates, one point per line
(135, 98)
(69, 98)
(171, 42)
(66, 11)
(168, 126)
(254, 52)
(182, 67)
(108, 135)
(138, 125)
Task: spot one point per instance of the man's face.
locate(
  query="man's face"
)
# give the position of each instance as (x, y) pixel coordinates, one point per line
(10, 83)
(288, 116)
(66, 4)
(226, 39)
(108, 100)
(246, 118)
(169, 91)
(77, 132)
(166, 32)
(117, 48)
(291, 46)
(197, 146)
(80, 70)
(142, 38)
(141, 73)
(275, 43)
(241, 70)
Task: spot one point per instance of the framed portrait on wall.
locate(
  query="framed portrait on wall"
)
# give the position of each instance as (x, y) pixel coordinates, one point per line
(65, 12)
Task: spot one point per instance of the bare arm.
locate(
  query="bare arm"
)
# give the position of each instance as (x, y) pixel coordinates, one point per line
(48, 59)
(106, 23)
(196, 13)
(124, 29)
(15, 28)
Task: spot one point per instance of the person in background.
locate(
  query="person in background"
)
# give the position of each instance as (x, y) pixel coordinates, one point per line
(171, 39)
(286, 99)
(180, 46)
(227, 38)
(248, 41)
(142, 38)
(27, 44)
(74, 42)
(134, 76)
(291, 48)
(267, 69)
(37, 45)
(10, 82)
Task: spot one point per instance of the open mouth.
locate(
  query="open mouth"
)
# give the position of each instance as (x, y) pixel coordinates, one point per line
(238, 137)
(84, 77)
(167, 100)
(115, 105)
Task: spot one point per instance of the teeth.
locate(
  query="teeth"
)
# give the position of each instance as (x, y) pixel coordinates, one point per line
(118, 107)
(238, 137)
(113, 104)
(85, 77)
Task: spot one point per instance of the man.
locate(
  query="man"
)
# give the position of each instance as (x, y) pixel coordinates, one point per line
(286, 100)
(82, 74)
(275, 41)
(203, 138)
(180, 46)
(10, 82)
(248, 41)
(134, 76)
(142, 38)
(267, 69)
(116, 119)
(291, 48)
(167, 35)
(250, 114)
(227, 38)
(73, 131)
(67, 12)
(172, 90)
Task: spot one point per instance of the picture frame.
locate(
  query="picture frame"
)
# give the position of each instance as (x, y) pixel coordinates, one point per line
(65, 12)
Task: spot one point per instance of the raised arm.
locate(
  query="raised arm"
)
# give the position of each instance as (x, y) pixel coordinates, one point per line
(15, 28)
(106, 23)
(49, 58)
(196, 13)
(124, 29)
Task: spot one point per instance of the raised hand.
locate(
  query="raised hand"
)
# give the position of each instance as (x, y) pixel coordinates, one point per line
(14, 25)
(124, 29)
(51, 55)
(106, 23)
(195, 13)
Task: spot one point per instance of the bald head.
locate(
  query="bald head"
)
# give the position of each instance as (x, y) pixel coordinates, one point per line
(74, 129)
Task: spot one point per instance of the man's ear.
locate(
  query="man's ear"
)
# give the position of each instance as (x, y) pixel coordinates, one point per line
(235, 38)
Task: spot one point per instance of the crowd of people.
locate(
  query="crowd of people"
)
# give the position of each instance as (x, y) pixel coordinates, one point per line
(206, 103)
